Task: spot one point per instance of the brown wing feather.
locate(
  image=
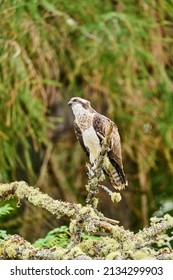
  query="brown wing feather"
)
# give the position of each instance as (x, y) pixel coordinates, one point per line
(79, 138)
(101, 125)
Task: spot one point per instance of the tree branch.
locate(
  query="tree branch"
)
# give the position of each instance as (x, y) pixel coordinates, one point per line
(15, 247)
(21, 190)
(119, 244)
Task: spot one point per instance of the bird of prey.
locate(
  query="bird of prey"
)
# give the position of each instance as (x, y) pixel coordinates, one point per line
(89, 126)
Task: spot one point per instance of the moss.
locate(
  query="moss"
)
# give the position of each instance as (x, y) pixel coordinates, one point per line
(114, 256)
(10, 250)
(22, 189)
(95, 202)
(169, 219)
(85, 210)
(26, 254)
(11, 247)
(100, 248)
(116, 197)
(143, 254)
(118, 232)
(109, 245)
(60, 252)
(91, 247)
(128, 245)
(139, 240)
(72, 226)
(73, 253)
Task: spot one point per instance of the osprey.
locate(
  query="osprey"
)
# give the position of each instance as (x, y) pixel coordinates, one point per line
(89, 126)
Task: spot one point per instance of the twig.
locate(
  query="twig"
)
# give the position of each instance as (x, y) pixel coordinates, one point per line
(108, 191)
(158, 227)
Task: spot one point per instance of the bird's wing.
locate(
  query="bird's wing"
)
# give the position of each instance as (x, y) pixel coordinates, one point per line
(101, 125)
(79, 138)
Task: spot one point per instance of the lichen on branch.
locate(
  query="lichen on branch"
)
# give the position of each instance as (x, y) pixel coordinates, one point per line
(21, 190)
(151, 243)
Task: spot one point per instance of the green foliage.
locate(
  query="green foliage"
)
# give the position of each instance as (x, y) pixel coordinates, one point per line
(59, 237)
(22, 113)
(3, 235)
(89, 237)
(5, 210)
(56, 237)
(166, 206)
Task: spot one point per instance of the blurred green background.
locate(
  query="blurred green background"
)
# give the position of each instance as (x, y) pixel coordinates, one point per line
(117, 54)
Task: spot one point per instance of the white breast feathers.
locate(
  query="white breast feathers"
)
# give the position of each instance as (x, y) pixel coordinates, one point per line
(91, 141)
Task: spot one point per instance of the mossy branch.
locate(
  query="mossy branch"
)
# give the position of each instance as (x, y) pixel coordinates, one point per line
(82, 218)
(151, 243)
(21, 191)
(15, 247)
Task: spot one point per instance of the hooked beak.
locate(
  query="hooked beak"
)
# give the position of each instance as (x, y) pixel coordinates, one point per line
(70, 103)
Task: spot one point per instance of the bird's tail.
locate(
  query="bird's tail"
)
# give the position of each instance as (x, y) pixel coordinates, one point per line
(116, 176)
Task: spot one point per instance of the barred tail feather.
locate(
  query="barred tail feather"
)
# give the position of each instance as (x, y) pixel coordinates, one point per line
(115, 175)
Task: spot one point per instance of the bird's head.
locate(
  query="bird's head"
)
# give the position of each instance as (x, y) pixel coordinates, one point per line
(80, 106)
